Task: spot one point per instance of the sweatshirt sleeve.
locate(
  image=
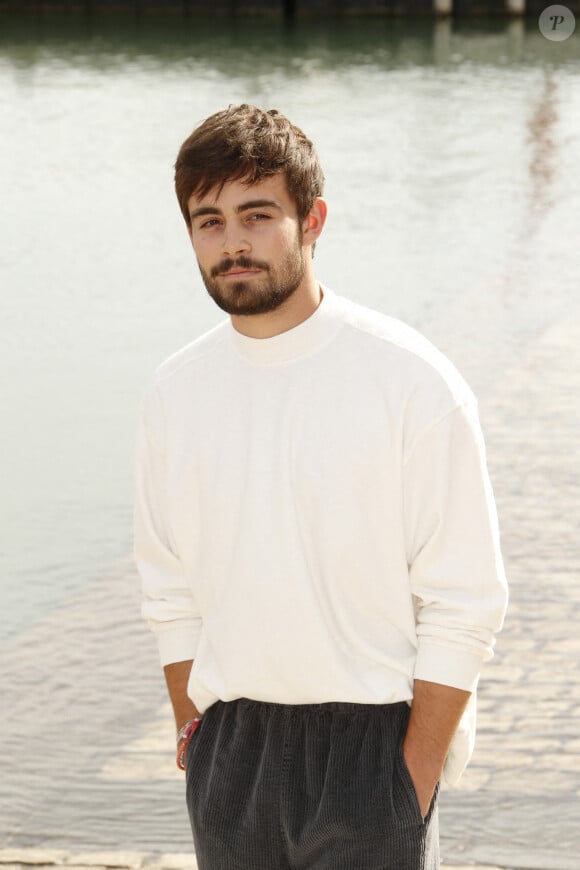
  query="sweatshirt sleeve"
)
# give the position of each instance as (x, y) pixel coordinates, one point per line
(453, 550)
(168, 605)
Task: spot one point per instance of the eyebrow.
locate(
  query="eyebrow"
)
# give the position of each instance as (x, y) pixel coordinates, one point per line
(245, 206)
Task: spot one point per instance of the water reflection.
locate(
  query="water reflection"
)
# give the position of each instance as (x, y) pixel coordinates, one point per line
(243, 47)
(543, 140)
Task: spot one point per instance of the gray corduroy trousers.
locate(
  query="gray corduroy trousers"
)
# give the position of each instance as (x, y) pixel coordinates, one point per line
(306, 787)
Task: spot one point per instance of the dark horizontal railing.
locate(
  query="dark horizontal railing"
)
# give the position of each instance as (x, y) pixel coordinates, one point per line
(296, 8)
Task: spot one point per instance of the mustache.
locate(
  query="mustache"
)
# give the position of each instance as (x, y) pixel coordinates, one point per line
(239, 263)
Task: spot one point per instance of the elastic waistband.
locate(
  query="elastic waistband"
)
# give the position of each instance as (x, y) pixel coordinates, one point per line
(348, 707)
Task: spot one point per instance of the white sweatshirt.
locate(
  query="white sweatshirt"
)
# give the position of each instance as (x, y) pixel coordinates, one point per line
(314, 519)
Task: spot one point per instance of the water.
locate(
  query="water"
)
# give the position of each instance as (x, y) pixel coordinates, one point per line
(450, 153)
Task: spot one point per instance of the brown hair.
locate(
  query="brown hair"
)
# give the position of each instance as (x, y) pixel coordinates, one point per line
(244, 142)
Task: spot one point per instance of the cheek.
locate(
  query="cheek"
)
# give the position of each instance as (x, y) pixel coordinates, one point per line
(205, 249)
(205, 260)
(289, 240)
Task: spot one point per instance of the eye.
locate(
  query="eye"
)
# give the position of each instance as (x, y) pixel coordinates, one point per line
(209, 223)
(258, 216)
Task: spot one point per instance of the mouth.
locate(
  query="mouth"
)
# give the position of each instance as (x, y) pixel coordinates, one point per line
(240, 273)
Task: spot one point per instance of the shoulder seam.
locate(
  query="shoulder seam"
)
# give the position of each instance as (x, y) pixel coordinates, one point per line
(437, 422)
(390, 340)
(161, 376)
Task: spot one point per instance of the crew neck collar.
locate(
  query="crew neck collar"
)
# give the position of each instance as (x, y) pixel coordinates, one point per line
(302, 339)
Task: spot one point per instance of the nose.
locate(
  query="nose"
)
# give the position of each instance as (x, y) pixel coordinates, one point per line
(234, 241)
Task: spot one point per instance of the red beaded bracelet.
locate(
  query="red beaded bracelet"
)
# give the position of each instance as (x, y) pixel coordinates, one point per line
(187, 733)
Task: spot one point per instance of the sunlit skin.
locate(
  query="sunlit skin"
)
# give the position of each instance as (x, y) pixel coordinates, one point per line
(255, 256)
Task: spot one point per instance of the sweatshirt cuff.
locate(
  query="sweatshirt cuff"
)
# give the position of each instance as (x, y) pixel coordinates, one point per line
(179, 644)
(449, 666)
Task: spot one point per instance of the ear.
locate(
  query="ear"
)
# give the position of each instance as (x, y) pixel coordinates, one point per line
(314, 221)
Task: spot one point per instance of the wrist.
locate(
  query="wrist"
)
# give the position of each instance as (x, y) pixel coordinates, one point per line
(424, 767)
(184, 736)
(189, 726)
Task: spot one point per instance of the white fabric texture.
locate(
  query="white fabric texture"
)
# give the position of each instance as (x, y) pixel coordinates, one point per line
(314, 520)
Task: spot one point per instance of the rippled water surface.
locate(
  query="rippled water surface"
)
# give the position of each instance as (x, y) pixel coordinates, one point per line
(451, 155)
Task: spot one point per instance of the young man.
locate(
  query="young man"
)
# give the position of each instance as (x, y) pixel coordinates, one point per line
(316, 535)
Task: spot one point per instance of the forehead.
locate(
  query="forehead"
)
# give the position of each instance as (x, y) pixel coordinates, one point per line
(235, 193)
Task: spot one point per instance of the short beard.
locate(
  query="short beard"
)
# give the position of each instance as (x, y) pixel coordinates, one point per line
(269, 290)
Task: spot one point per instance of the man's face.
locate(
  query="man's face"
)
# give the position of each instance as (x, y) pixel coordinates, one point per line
(248, 243)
